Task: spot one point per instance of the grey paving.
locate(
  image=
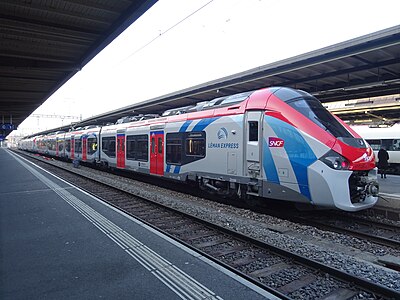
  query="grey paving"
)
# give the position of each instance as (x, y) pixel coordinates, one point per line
(390, 190)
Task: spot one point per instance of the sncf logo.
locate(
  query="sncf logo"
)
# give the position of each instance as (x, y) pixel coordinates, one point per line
(366, 157)
(275, 142)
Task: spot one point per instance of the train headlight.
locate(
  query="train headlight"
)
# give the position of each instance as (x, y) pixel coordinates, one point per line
(335, 161)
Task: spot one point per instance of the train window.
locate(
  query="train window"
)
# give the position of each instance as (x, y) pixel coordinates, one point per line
(68, 145)
(312, 108)
(130, 147)
(253, 131)
(78, 146)
(137, 147)
(196, 147)
(390, 144)
(91, 145)
(153, 146)
(51, 145)
(174, 148)
(396, 145)
(108, 146)
(375, 144)
(160, 145)
(142, 148)
(185, 147)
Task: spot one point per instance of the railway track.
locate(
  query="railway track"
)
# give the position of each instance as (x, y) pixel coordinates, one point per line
(374, 231)
(283, 273)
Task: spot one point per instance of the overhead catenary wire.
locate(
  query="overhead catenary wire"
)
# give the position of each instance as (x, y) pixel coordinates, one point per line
(169, 29)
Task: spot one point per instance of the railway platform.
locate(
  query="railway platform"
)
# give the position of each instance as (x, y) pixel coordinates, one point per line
(58, 242)
(389, 202)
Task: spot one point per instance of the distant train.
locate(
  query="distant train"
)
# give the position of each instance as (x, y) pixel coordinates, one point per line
(276, 143)
(387, 137)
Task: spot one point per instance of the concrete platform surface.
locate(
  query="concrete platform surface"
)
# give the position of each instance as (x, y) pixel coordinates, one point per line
(389, 188)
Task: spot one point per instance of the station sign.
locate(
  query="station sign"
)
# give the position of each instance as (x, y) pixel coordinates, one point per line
(7, 126)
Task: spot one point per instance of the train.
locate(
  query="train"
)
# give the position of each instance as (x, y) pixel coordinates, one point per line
(274, 143)
(387, 137)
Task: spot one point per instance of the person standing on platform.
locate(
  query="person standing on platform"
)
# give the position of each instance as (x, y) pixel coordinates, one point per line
(383, 157)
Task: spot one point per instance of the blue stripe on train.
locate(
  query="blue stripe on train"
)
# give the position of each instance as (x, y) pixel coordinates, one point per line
(185, 126)
(269, 164)
(200, 126)
(177, 169)
(298, 151)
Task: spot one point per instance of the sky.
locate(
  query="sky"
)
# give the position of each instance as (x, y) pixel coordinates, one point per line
(178, 44)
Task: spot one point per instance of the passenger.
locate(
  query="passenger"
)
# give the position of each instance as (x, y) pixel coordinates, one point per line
(383, 157)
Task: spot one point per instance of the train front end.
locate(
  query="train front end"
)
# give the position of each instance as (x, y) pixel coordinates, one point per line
(346, 179)
(332, 166)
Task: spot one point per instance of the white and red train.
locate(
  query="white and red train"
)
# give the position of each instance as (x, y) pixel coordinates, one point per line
(383, 137)
(276, 143)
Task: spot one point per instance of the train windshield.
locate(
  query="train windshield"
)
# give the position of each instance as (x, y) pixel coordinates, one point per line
(312, 108)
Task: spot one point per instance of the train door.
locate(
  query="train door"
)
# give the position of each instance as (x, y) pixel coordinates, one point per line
(121, 150)
(253, 143)
(84, 147)
(157, 152)
(72, 147)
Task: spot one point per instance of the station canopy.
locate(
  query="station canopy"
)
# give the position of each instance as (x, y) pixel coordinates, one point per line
(366, 68)
(44, 43)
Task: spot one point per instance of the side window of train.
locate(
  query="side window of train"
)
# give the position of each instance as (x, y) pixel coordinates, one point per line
(160, 145)
(390, 144)
(153, 145)
(68, 145)
(396, 145)
(185, 147)
(174, 148)
(108, 146)
(52, 145)
(142, 152)
(137, 147)
(253, 131)
(91, 145)
(78, 146)
(375, 144)
(195, 145)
